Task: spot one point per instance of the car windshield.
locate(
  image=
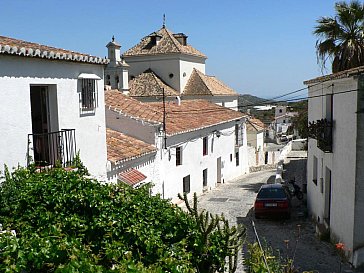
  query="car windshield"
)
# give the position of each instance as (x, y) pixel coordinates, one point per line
(271, 193)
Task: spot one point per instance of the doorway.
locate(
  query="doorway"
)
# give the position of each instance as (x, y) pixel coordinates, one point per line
(328, 194)
(39, 101)
(218, 179)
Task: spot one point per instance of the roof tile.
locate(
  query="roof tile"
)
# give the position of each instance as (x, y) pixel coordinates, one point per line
(149, 84)
(121, 147)
(167, 44)
(28, 49)
(131, 177)
(201, 84)
(189, 116)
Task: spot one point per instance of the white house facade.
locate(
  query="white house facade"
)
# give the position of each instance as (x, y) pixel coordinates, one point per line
(335, 167)
(200, 146)
(52, 105)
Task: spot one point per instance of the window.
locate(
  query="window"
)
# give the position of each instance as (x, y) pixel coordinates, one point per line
(237, 158)
(280, 110)
(314, 167)
(231, 157)
(205, 146)
(88, 94)
(204, 178)
(186, 184)
(178, 156)
(284, 121)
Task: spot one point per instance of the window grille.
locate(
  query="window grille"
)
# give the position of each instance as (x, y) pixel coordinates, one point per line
(88, 95)
(178, 156)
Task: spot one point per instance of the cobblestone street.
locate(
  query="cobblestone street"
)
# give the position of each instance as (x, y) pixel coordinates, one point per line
(235, 199)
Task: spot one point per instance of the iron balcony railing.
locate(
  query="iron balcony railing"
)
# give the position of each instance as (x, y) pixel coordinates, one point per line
(49, 149)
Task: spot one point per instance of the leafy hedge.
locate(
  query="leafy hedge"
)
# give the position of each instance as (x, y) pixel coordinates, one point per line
(65, 222)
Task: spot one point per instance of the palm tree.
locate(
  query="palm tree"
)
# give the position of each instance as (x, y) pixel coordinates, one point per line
(341, 38)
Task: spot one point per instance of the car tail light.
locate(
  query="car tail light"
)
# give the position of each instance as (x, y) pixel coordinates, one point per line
(259, 204)
(283, 204)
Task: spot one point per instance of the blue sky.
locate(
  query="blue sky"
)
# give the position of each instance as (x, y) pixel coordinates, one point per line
(265, 48)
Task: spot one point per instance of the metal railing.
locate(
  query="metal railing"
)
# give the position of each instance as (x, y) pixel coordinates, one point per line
(49, 149)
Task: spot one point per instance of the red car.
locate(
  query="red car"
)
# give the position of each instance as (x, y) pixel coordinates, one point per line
(272, 201)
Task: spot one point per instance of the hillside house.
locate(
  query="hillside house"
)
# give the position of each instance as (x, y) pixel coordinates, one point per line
(193, 147)
(52, 106)
(335, 166)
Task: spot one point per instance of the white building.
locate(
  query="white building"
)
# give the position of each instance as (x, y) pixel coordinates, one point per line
(283, 119)
(169, 62)
(52, 105)
(335, 167)
(255, 133)
(201, 145)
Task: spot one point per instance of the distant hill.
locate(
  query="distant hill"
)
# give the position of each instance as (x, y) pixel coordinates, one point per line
(249, 100)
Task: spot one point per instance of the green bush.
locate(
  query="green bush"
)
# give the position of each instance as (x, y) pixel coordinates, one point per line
(65, 222)
(69, 223)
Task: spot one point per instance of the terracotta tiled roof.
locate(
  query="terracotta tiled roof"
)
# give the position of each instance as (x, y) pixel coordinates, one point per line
(255, 124)
(167, 44)
(116, 101)
(131, 177)
(22, 48)
(121, 147)
(190, 115)
(149, 84)
(201, 84)
(335, 76)
(194, 115)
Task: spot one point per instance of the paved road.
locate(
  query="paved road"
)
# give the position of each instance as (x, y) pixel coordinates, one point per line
(235, 199)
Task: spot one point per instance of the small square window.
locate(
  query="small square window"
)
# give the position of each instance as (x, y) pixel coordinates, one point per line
(205, 146)
(186, 184)
(178, 156)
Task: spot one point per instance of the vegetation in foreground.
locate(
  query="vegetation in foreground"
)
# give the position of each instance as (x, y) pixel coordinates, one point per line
(65, 222)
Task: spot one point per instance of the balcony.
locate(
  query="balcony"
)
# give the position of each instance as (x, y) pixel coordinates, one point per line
(321, 130)
(48, 149)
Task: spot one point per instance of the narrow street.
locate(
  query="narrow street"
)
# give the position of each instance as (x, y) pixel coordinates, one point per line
(235, 200)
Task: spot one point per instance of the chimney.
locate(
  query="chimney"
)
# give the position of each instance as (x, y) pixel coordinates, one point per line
(181, 38)
(178, 100)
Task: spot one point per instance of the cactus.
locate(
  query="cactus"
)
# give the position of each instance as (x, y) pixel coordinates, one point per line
(210, 227)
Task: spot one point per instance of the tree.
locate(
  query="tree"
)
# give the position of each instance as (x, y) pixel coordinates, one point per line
(341, 38)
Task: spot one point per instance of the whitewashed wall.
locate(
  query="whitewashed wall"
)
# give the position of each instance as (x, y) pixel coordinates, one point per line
(164, 65)
(194, 162)
(162, 169)
(16, 75)
(341, 162)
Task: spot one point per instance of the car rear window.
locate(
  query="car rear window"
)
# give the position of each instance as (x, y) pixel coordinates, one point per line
(271, 193)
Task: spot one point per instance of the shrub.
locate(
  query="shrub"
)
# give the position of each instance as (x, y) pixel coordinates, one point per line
(66, 222)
